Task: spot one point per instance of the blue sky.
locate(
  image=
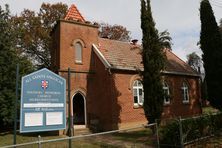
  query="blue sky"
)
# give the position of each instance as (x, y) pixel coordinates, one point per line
(179, 17)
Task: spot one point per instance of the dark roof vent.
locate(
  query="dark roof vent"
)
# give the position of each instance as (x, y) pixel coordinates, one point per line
(134, 41)
(105, 37)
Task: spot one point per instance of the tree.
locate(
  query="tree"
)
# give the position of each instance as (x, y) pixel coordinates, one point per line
(153, 59)
(220, 27)
(211, 46)
(194, 61)
(8, 60)
(114, 32)
(34, 31)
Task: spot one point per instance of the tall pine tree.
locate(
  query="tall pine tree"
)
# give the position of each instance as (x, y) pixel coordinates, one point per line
(220, 27)
(153, 59)
(211, 45)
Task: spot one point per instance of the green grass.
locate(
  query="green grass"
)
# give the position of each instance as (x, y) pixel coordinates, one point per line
(209, 110)
(213, 142)
(104, 141)
(143, 136)
(6, 138)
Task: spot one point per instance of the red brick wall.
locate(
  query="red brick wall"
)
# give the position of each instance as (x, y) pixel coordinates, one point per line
(69, 32)
(101, 93)
(177, 107)
(63, 57)
(129, 114)
(117, 86)
(109, 97)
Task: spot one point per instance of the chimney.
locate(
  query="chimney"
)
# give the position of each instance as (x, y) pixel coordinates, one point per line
(134, 41)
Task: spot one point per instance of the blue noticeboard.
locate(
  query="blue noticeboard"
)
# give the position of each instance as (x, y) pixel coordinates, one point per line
(43, 105)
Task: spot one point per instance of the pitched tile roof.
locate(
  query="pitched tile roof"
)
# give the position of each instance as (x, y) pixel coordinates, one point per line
(74, 14)
(120, 55)
(126, 56)
(175, 65)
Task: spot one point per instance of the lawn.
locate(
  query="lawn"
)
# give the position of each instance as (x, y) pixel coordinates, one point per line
(7, 139)
(209, 110)
(137, 138)
(140, 138)
(213, 142)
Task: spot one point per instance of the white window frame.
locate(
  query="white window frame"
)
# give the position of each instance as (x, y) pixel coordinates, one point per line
(166, 91)
(137, 88)
(185, 93)
(81, 52)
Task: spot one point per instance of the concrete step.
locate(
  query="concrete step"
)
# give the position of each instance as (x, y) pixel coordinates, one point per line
(81, 130)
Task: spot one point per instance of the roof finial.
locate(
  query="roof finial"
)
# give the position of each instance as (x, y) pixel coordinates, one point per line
(74, 14)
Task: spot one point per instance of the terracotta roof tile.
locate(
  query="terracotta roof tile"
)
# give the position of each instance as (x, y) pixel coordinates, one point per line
(175, 64)
(74, 14)
(120, 55)
(124, 55)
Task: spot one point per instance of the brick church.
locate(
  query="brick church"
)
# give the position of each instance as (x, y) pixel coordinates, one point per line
(106, 89)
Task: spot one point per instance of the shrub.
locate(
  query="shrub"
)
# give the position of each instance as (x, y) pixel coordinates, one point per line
(192, 129)
(170, 134)
(216, 121)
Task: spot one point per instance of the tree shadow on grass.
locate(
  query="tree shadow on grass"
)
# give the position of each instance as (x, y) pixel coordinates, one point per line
(42, 134)
(142, 136)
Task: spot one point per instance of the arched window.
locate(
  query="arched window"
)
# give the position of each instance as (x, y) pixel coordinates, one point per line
(138, 93)
(185, 93)
(78, 52)
(166, 92)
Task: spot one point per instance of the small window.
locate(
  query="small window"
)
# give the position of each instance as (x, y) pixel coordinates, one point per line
(166, 92)
(185, 93)
(78, 52)
(138, 93)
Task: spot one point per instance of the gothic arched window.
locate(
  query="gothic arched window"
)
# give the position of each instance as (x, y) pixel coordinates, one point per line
(138, 93)
(78, 52)
(185, 93)
(166, 91)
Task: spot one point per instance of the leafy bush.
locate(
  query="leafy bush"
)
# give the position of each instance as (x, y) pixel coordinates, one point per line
(192, 128)
(216, 121)
(170, 134)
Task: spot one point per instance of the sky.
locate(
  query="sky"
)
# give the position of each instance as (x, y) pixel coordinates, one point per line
(180, 17)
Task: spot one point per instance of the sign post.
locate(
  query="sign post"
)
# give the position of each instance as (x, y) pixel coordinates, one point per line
(70, 119)
(43, 105)
(16, 104)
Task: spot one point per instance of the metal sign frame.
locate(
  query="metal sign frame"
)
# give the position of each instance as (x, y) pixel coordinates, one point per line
(43, 102)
